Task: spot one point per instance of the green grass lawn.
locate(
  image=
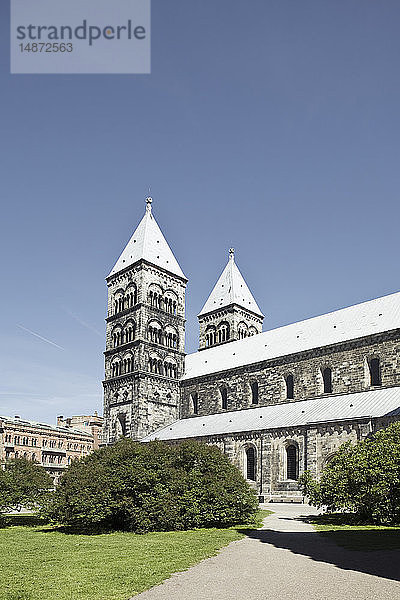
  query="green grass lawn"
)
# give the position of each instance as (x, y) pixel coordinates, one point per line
(40, 562)
(340, 529)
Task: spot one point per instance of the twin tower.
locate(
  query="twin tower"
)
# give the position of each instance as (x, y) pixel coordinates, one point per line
(145, 330)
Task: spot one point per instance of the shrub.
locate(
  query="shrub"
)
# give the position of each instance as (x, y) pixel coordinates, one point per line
(23, 484)
(363, 478)
(152, 487)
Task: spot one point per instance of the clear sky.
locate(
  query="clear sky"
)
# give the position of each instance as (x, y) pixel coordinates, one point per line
(270, 126)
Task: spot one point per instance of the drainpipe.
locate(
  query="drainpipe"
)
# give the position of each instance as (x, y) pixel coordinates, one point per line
(305, 449)
(305, 455)
(261, 466)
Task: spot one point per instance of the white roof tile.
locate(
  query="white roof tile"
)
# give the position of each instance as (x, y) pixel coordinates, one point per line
(148, 243)
(375, 316)
(371, 404)
(230, 288)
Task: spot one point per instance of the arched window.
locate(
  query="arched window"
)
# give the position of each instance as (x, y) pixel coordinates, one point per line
(211, 336)
(195, 403)
(129, 332)
(254, 392)
(327, 379)
(155, 333)
(117, 336)
(121, 425)
(242, 330)
(375, 371)
(289, 380)
(291, 462)
(118, 301)
(131, 296)
(224, 398)
(223, 332)
(251, 464)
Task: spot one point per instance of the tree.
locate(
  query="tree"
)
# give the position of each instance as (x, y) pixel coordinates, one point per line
(363, 479)
(23, 484)
(152, 487)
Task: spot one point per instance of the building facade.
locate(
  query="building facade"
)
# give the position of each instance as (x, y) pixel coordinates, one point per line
(276, 403)
(91, 424)
(53, 447)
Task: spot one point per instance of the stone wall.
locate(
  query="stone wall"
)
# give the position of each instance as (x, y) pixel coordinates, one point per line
(315, 446)
(142, 400)
(348, 361)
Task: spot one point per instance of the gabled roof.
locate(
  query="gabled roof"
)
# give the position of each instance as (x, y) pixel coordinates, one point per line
(372, 404)
(375, 316)
(230, 288)
(148, 243)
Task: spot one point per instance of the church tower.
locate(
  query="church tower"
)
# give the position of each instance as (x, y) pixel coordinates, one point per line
(145, 335)
(230, 313)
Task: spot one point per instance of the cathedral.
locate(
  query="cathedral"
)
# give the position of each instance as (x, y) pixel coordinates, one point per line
(276, 402)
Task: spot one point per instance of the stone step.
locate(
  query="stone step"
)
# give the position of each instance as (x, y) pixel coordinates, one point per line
(292, 499)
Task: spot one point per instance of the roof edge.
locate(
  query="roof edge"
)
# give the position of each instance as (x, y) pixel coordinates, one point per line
(227, 306)
(147, 262)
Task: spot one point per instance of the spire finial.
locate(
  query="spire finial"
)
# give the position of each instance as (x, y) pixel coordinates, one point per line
(149, 200)
(231, 253)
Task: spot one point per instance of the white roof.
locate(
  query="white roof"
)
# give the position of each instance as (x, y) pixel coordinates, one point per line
(375, 403)
(148, 243)
(230, 288)
(375, 316)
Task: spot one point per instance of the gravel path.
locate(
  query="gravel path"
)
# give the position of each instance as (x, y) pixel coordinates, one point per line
(286, 560)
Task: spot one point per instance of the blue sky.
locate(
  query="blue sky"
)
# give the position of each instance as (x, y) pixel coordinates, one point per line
(270, 126)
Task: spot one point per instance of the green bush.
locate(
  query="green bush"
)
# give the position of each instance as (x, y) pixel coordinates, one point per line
(363, 479)
(23, 484)
(152, 487)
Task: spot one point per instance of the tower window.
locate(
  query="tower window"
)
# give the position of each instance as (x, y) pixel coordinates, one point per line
(327, 379)
(251, 464)
(195, 403)
(224, 398)
(289, 380)
(291, 462)
(223, 332)
(242, 331)
(121, 425)
(211, 336)
(375, 371)
(254, 392)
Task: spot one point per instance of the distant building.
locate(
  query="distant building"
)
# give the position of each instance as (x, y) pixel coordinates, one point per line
(92, 424)
(54, 447)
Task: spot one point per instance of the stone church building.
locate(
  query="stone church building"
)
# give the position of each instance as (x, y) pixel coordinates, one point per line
(276, 402)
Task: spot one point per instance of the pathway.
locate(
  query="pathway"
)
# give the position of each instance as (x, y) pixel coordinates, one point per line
(286, 560)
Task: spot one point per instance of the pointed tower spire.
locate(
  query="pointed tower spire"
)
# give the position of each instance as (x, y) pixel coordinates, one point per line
(230, 312)
(145, 335)
(148, 243)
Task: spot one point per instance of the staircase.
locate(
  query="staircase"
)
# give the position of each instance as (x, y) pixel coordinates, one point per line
(286, 491)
